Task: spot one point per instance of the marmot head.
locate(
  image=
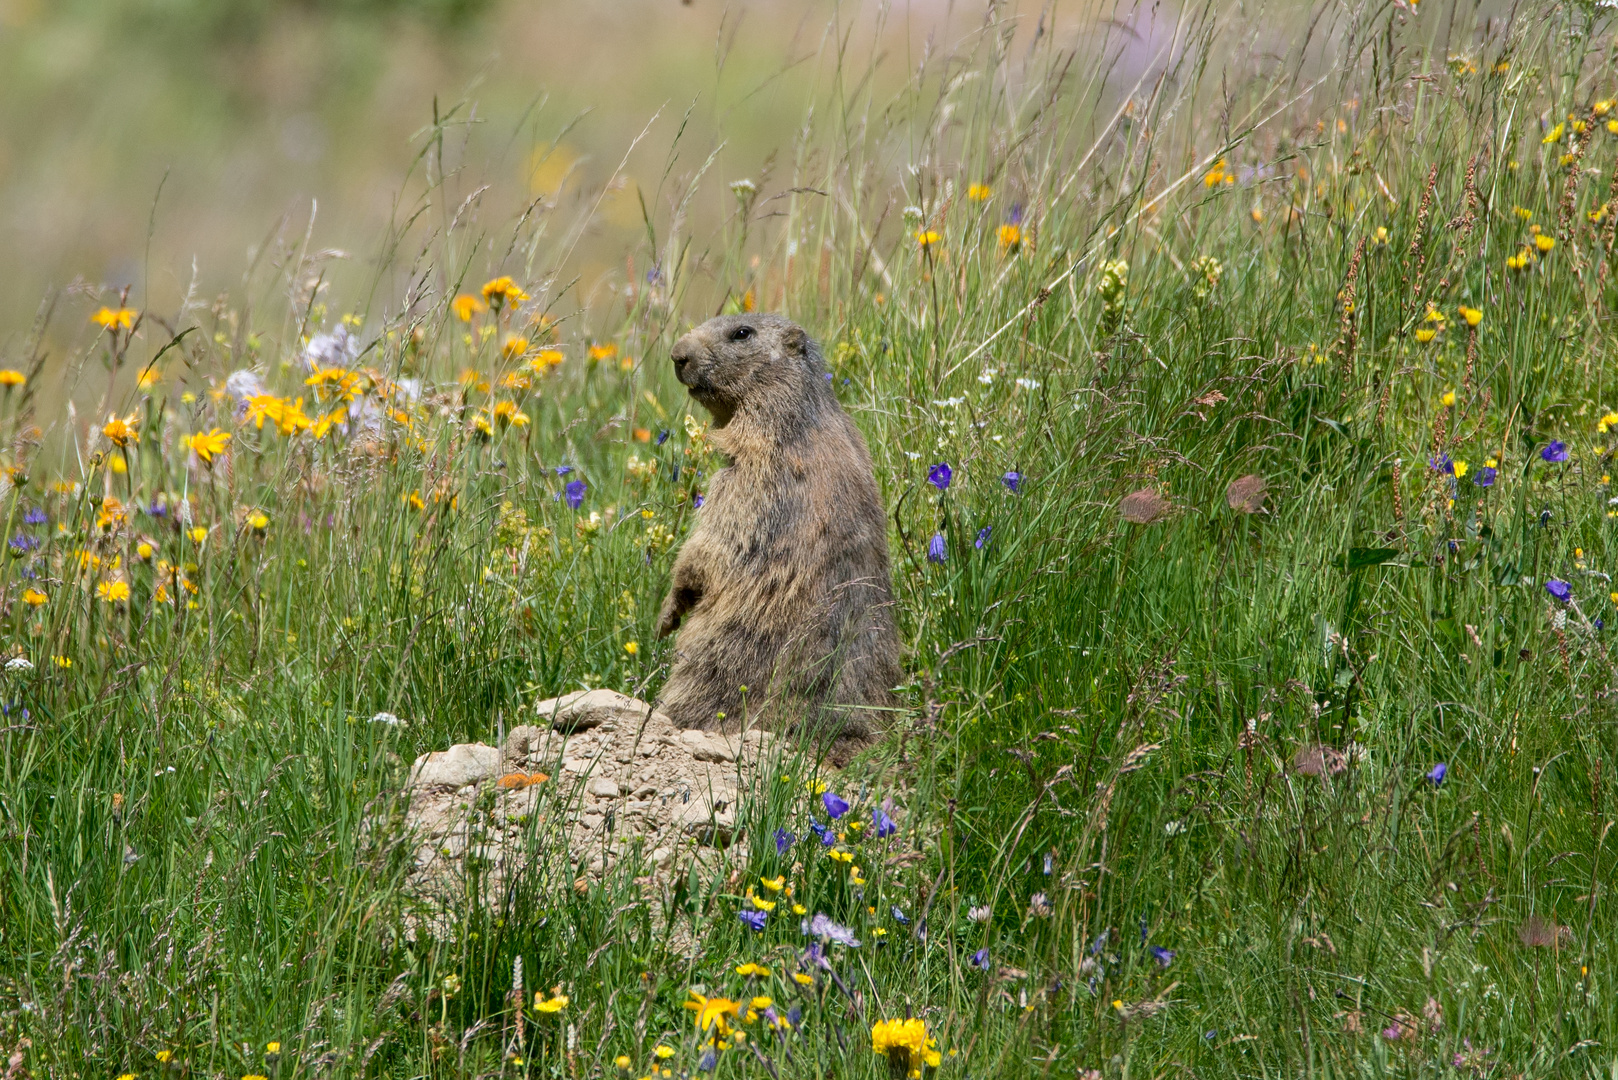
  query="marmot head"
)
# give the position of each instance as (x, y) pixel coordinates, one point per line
(735, 361)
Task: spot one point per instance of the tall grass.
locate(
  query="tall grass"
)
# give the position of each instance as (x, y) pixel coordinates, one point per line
(1166, 788)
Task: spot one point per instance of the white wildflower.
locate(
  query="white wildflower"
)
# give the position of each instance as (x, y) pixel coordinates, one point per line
(336, 349)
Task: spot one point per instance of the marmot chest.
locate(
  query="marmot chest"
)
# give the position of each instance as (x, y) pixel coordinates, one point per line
(756, 520)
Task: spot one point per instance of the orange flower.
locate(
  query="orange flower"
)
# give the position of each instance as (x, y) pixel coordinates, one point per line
(466, 305)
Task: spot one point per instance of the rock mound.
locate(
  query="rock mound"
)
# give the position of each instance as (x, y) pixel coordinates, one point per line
(606, 774)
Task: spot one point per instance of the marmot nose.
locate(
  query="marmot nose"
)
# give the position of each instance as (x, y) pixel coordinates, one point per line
(684, 351)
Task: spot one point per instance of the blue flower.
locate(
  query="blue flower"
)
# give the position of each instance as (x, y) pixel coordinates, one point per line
(937, 549)
(822, 927)
(157, 509)
(575, 493)
(1485, 477)
(1013, 481)
(882, 825)
(784, 840)
(563, 470)
(35, 516)
(1559, 589)
(939, 476)
(1101, 939)
(754, 919)
(662, 436)
(1443, 464)
(697, 500)
(835, 805)
(1599, 623)
(1555, 451)
(709, 1059)
(1014, 215)
(829, 376)
(900, 917)
(1437, 773)
(22, 543)
(827, 837)
(983, 536)
(980, 960)
(1163, 956)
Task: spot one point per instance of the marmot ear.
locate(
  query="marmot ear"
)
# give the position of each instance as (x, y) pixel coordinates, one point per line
(794, 340)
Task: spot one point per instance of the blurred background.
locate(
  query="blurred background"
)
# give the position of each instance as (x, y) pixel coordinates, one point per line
(142, 141)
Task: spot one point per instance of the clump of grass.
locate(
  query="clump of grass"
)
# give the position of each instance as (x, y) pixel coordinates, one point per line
(1260, 712)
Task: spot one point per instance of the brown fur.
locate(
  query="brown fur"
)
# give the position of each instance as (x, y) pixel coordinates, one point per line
(783, 585)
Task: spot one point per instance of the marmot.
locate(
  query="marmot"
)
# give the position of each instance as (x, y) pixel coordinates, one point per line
(783, 587)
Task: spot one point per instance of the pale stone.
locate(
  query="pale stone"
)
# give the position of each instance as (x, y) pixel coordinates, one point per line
(604, 787)
(585, 709)
(460, 765)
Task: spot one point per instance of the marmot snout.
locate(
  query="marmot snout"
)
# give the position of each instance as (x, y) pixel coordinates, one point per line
(781, 594)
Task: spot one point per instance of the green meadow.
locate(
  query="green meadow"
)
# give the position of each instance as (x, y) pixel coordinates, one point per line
(1260, 710)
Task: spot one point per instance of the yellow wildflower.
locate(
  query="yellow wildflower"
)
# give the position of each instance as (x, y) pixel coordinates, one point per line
(927, 237)
(1426, 334)
(1011, 237)
(206, 444)
(10, 378)
(751, 968)
(541, 1002)
(258, 521)
(712, 1012)
(1459, 467)
(1607, 422)
(1217, 175)
(514, 346)
(198, 534)
(631, 647)
(803, 980)
(599, 353)
(905, 1044)
(506, 412)
(1448, 400)
(109, 319)
(113, 592)
(1544, 241)
(775, 884)
(1554, 135)
(335, 383)
(1472, 315)
(466, 305)
(978, 192)
(501, 291)
(34, 598)
(120, 432)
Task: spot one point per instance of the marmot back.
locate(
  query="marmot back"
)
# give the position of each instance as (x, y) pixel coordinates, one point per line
(781, 593)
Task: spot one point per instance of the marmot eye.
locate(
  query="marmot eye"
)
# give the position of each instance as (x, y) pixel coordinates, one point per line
(741, 333)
